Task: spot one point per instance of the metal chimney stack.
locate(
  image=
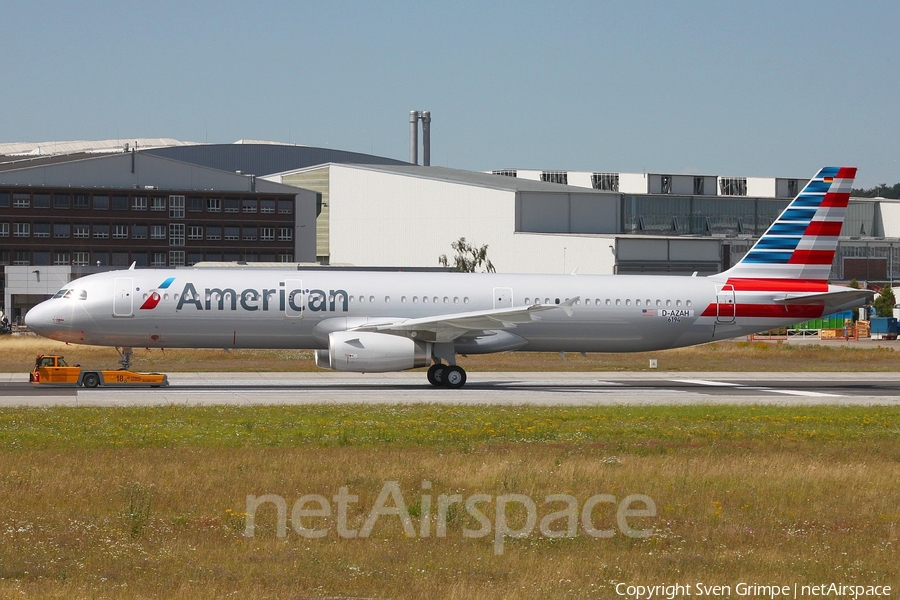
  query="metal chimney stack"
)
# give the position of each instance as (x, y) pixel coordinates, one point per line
(414, 117)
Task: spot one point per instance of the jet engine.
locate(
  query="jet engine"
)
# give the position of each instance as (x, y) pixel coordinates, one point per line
(368, 352)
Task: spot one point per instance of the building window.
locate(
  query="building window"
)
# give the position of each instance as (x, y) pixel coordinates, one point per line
(61, 230)
(608, 182)
(285, 258)
(232, 233)
(81, 259)
(157, 232)
(62, 202)
(698, 186)
(158, 259)
(733, 186)
(195, 204)
(101, 231)
(139, 232)
(42, 200)
(176, 207)
(285, 207)
(555, 177)
(194, 257)
(214, 233)
(21, 200)
(665, 184)
(505, 172)
(82, 202)
(195, 232)
(120, 232)
(42, 230)
(792, 187)
(267, 207)
(139, 259)
(158, 204)
(285, 234)
(4, 202)
(267, 234)
(81, 231)
(101, 258)
(213, 205)
(22, 230)
(249, 206)
(101, 202)
(176, 258)
(119, 259)
(120, 202)
(232, 205)
(41, 257)
(249, 234)
(4, 229)
(176, 236)
(139, 203)
(61, 258)
(21, 257)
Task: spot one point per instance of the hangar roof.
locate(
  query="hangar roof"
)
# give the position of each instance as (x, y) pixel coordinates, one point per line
(464, 177)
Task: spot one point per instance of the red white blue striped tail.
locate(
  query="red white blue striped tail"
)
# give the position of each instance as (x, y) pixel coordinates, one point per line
(801, 243)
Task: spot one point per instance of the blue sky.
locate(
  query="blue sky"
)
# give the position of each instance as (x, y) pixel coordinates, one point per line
(724, 88)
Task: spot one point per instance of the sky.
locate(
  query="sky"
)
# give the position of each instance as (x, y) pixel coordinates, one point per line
(763, 89)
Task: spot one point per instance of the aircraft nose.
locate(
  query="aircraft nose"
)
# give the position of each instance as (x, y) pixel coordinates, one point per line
(49, 317)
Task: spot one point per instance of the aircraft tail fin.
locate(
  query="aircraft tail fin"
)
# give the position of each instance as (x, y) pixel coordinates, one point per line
(801, 243)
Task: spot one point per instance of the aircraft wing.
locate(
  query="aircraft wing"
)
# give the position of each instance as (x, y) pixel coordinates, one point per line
(448, 327)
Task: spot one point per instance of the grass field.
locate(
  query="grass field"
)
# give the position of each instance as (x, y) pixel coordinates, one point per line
(17, 355)
(151, 502)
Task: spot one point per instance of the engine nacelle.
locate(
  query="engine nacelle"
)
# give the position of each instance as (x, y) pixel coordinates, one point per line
(368, 352)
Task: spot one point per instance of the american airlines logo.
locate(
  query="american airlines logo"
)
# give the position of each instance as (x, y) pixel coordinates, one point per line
(252, 299)
(154, 298)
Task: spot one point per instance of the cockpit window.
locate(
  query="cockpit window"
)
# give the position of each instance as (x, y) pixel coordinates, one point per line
(71, 294)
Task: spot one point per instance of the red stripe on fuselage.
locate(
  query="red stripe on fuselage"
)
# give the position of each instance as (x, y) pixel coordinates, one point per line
(800, 312)
(777, 285)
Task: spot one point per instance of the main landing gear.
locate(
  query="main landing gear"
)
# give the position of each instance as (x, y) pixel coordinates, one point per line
(448, 376)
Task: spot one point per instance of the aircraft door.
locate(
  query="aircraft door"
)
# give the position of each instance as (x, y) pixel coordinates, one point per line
(725, 304)
(503, 297)
(293, 298)
(123, 297)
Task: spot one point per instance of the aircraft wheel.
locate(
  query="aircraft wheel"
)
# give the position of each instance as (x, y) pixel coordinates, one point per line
(91, 380)
(436, 374)
(454, 377)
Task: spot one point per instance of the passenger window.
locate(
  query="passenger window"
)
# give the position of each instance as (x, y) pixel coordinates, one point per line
(678, 303)
(688, 303)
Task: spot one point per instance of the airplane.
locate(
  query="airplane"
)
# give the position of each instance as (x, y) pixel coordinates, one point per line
(363, 321)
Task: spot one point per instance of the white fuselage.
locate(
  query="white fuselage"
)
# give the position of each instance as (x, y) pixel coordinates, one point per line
(281, 308)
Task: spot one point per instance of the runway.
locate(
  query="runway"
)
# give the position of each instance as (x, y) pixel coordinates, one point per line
(547, 389)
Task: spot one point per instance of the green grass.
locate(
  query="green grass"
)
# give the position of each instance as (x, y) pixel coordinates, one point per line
(149, 502)
(633, 429)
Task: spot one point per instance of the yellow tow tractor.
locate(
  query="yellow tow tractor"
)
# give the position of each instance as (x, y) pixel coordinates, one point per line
(52, 369)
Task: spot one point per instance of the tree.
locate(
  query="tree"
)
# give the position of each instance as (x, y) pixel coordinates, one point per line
(884, 303)
(468, 258)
